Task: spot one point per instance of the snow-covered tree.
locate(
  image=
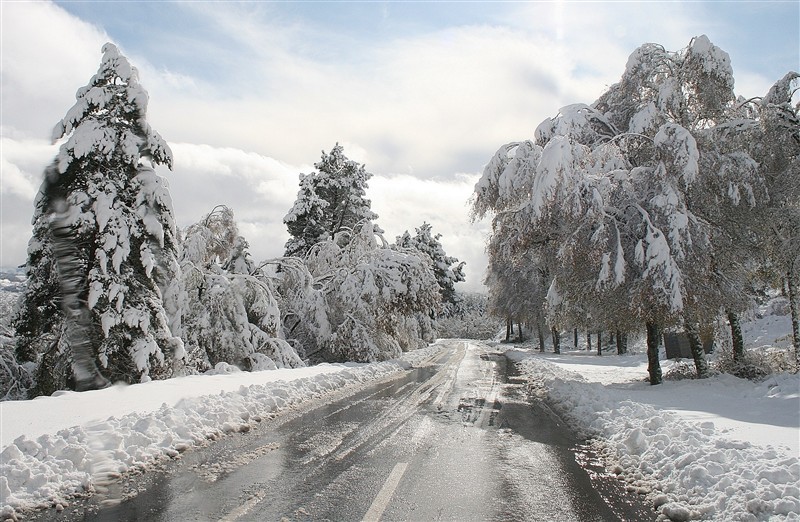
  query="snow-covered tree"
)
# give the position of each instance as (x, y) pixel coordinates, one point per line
(778, 221)
(330, 200)
(15, 378)
(447, 269)
(230, 314)
(471, 319)
(610, 197)
(105, 216)
(518, 275)
(644, 157)
(355, 300)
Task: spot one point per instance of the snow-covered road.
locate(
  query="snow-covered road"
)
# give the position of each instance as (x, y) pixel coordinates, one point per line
(452, 439)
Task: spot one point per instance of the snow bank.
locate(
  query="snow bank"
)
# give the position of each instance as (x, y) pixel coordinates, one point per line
(689, 467)
(57, 448)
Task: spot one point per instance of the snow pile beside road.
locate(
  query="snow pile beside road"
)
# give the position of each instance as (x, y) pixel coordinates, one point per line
(690, 469)
(55, 460)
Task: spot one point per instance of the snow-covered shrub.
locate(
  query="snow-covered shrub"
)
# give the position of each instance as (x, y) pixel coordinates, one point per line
(681, 370)
(778, 306)
(15, 378)
(373, 303)
(754, 365)
(302, 304)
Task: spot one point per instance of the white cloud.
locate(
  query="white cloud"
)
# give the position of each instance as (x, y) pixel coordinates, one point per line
(434, 105)
(22, 162)
(260, 190)
(47, 55)
(751, 85)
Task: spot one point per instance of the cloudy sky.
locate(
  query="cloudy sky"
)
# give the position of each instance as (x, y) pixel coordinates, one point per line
(249, 94)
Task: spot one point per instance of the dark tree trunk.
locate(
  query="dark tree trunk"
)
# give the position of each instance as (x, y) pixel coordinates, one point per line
(509, 326)
(556, 340)
(588, 341)
(622, 342)
(575, 342)
(519, 332)
(791, 284)
(653, 365)
(611, 338)
(696, 346)
(599, 343)
(541, 337)
(736, 337)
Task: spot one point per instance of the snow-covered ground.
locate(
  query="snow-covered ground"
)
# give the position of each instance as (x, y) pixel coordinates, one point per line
(721, 448)
(55, 448)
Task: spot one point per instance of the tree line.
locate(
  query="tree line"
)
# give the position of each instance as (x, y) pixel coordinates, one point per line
(663, 204)
(109, 271)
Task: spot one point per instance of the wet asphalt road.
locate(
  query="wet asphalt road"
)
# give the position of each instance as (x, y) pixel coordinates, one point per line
(454, 440)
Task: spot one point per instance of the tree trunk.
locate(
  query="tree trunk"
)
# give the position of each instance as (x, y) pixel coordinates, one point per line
(575, 343)
(519, 332)
(736, 337)
(653, 365)
(541, 337)
(588, 341)
(611, 337)
(508, 329)
(696, 346)
(622, 342)
(791, 284)
(556, 340)
(599, 343)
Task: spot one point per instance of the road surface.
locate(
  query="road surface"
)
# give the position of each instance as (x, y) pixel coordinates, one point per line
(452, 440)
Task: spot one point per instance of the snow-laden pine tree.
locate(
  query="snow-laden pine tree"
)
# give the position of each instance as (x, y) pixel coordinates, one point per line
(102, 198)
(448, 269)
(330, 200)
(230, 314)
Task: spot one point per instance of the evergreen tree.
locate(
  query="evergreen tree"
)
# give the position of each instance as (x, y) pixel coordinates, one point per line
(330, 200)
(104, 241)
(447, 269)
